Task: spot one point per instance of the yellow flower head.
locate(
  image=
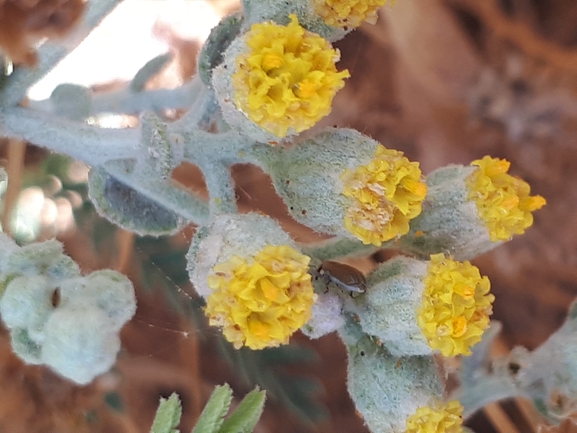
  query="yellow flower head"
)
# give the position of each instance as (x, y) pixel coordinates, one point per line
(386, 194)
(456, 306)
(262, 301)
(288, 78)
(348, 13)
(503, 201)
(445, 419)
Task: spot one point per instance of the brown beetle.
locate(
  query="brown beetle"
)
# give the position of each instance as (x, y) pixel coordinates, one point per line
(344, 276)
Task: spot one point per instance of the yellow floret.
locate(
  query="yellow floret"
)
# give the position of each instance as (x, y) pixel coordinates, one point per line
(445, 419)
(348, 13)
(503, 201)
(288, 78)
(260, 302)
(456, 306)
(386, 194)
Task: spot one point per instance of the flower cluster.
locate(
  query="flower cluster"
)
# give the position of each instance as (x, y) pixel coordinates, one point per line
(273, 73)
(342, 13)
(456, 306)
(276, 81)
(287, 79)
(445, 419)
(261, 301)
(503, 201)
(386, 194)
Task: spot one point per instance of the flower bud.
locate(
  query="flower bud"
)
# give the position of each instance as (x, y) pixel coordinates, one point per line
(343, 183)
(305, 10)
(471, 210)
(277, 81)
(45, 258)
(396, 394)
(416, 308)
(27, 303)
(256, 284)
(25, 346)
(80, 343)
(332, 19)
(128, 208)
(108, 290)
(242, 235)
(347, 14)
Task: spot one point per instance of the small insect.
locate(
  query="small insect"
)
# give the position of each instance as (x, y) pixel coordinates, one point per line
(344, 276)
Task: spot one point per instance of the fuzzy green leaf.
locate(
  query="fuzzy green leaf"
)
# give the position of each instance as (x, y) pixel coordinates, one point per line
(214, 411)
(167, 416)
(247, 414)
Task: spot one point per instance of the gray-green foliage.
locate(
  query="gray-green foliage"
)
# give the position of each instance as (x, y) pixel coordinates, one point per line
(129, 208)
(214, 411)
(242, 419)
(550, 369)
(167, 415)
(71, 101)
(219, 39)
(58, 317)
(149, 70)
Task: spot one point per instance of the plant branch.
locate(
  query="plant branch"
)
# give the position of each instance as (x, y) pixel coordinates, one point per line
(338, 247)
(125, 101)
(89, 144)
(487, 390)
(222, 197)
(172, 198)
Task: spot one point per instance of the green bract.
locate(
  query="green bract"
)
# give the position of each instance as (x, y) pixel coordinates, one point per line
(388, 311)
(387, 389)
(308, 176)
(450, 222)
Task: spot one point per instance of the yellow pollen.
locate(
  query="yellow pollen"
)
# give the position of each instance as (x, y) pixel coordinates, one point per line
(269, 290)
(306, 89)
(261, 301)
(455, 307)
(385, 195)
(502, 200)
(459, 326)
(286, 80)
(445, 418)
(348, 13)
(271, 61)
(465, 291)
